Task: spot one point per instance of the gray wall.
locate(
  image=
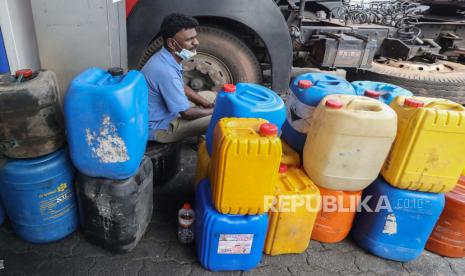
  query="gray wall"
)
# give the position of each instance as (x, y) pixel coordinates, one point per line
(18, 34)
(77, 34)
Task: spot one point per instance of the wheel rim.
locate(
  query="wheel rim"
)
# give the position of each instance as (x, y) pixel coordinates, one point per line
(206, 72)
(419, 66)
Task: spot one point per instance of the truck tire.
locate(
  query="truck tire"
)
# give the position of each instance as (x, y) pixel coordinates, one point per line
(442, 79)
(165, 160)
(221, 58)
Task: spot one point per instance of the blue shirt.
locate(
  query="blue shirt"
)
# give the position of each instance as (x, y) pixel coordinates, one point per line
(166, 90)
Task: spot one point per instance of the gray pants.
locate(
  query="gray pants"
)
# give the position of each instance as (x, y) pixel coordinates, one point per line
(180, 129)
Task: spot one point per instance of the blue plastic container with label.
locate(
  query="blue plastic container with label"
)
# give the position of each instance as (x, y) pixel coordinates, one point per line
(398, 223)
(106, 115)
(246, 100)
(307, 92)
(384, 92)
(38, 196)
(2, 214)
(227, 242)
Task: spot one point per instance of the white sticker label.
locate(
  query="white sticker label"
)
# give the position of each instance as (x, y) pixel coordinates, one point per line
(390, 226)
(235, 244)
(298, 113)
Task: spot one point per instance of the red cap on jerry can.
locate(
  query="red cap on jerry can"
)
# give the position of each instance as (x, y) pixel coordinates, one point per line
(332, 103)
(304, 84)
(229, 88)
(413, 103)
(268, 130)
(282, 168)
(25, 72)
(372, 94)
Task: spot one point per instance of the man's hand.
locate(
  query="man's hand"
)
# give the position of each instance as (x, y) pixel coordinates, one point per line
(207, 104)
(196, 98)
(196, 112)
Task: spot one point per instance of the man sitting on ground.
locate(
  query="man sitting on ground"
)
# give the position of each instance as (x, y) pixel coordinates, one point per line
(175, 110)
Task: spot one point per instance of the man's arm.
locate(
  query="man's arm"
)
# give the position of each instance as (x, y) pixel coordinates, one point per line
(196, 98)
(196, 113)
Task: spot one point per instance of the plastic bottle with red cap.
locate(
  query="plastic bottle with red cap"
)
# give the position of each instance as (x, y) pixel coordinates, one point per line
(186, 218)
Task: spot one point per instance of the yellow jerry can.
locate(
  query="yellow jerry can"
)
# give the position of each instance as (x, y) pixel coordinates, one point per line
(293, 213)
(429, 152)
(290, 156)
(244, 165)
(203, 163)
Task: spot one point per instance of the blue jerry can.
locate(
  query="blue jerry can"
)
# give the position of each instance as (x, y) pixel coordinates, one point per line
(307, 92)
(106, 115)
(2, 214)
(384, 92)
(246, 100)
(400, 233)
(38, 196)
(227, 242)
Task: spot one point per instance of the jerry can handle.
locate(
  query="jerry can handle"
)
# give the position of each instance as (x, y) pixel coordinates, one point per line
(291, 187)
(248, 94)
(330, 82)
(445, 105)
(365, 105)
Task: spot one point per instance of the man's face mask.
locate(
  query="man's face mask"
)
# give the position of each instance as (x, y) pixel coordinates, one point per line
(184, 54)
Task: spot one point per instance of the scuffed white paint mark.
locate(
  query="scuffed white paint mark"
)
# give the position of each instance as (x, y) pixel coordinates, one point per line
(103, 206)
(390, 226)
(107, 145)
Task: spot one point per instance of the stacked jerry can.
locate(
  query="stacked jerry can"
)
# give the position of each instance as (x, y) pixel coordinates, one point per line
(244, 100)
(40, 212)
(36, 181)
(307, 91)
(425, 161)
(231, 215)
(106, 115)
(384, 92)
(245, 185)
(448, 236)
(397, 223)
(226, 242)
(293, 214)
(349, 139)
(202, 168)
(417, 161)
(290, 157)
(244, 150)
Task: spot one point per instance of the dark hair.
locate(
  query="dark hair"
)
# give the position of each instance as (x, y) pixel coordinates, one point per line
(174, 23)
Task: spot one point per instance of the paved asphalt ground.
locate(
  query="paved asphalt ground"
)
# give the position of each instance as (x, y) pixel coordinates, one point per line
(159, 253)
